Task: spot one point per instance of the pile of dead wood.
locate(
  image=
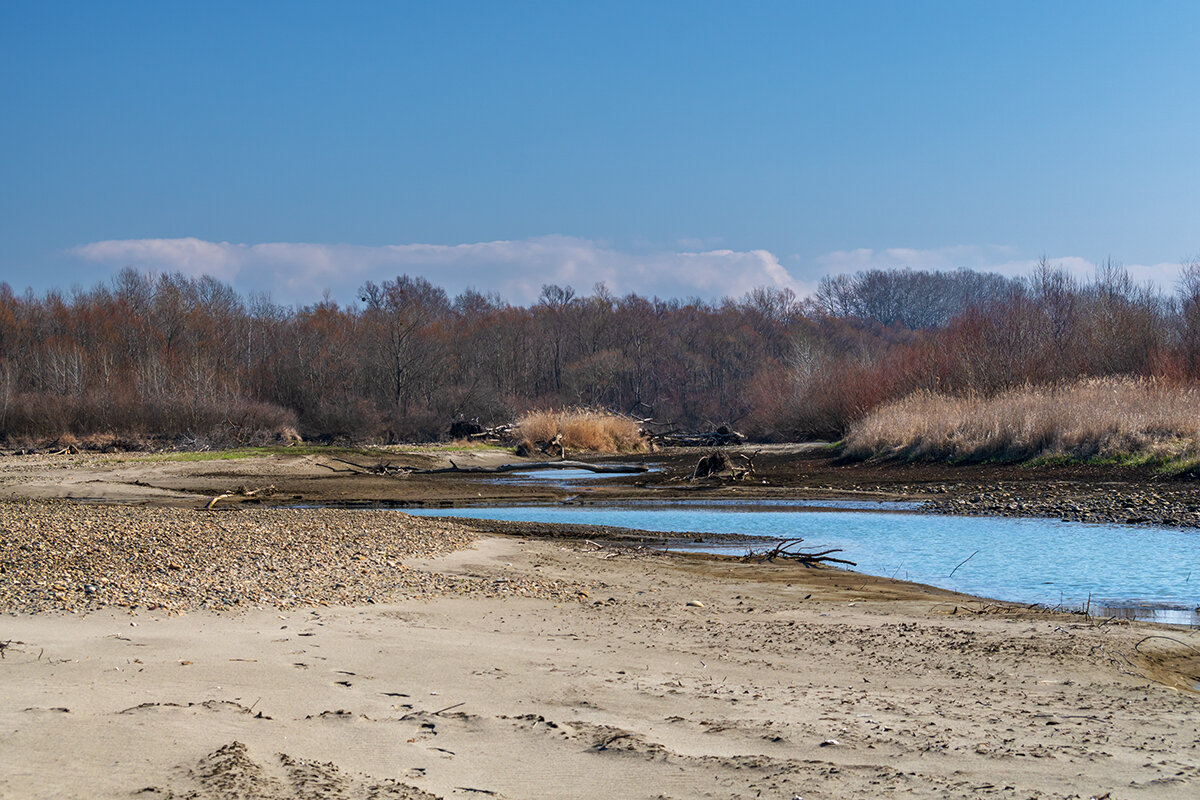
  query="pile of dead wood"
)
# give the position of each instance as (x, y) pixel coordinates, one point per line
(721, 437)
(472, 431)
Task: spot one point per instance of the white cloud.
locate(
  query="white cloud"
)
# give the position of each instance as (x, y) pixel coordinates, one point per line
(983, 258)
(300, 272)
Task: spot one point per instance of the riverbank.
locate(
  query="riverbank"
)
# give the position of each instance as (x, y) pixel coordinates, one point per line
(1077, 492)
(568, 668)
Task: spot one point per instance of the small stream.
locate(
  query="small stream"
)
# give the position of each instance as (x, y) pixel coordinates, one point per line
(1137, 572)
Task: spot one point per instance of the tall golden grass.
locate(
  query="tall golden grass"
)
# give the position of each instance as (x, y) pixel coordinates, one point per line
(1128, 419)
(584, 429)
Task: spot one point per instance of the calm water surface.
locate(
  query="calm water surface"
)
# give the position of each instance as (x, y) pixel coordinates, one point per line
(1021, 560)
(559, 477)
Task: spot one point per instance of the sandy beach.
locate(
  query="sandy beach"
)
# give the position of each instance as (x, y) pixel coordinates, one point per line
(342, 653)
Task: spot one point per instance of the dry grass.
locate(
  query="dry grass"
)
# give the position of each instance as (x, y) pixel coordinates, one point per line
(584, 429)
(1121, 419)
(538, 426)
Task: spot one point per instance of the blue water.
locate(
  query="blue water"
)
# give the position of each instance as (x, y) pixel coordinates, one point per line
(558, 477)
(753, 505)
(1020, 560)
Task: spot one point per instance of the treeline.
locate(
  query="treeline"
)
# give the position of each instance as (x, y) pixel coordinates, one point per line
(172, 356)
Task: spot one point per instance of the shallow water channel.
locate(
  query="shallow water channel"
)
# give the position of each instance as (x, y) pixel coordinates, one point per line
(1139, 572)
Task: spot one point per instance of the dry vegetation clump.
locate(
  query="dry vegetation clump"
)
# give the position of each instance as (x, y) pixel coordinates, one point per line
(1123, 419)
(584, 429)
(539, 426)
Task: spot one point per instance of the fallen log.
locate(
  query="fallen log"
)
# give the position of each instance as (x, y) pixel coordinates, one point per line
(610, 468)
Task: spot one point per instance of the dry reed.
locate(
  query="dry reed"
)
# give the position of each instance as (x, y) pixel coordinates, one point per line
(584, 429)
(1125, 419)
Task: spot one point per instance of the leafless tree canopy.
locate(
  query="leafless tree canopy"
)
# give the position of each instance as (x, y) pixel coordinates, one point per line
(170, 355)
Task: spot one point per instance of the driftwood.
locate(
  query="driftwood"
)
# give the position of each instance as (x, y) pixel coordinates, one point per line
(385, 468)
(497, 433)
(242, 491)
(613, 468)
(718, 463)
(723, 435)
(786, 550)
(712, 464)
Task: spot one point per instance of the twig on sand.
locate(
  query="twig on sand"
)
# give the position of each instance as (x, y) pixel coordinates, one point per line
(1144, 639)
(447, 708)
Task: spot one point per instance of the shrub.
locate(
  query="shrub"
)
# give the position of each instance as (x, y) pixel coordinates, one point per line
(584, 429)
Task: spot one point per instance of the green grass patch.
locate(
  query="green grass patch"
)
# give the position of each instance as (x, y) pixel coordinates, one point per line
(448, 447)
(1167, 466)
(238, 453)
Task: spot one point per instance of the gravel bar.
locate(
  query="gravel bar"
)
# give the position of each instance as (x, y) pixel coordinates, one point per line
(58, 556)
(1171, 506)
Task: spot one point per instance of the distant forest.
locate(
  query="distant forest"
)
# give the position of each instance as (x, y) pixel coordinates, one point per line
(190, 359)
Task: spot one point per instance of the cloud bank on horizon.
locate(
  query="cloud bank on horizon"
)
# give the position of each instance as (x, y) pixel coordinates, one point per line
(299, 272)
(296, 272)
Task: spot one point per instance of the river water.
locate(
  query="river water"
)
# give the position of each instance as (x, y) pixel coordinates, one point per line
(1148, 573)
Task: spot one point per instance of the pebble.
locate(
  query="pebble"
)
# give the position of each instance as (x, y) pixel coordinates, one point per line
(1130, 504)
(61, 556)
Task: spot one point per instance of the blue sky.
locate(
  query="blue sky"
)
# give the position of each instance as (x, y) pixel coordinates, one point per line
(672, 148)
